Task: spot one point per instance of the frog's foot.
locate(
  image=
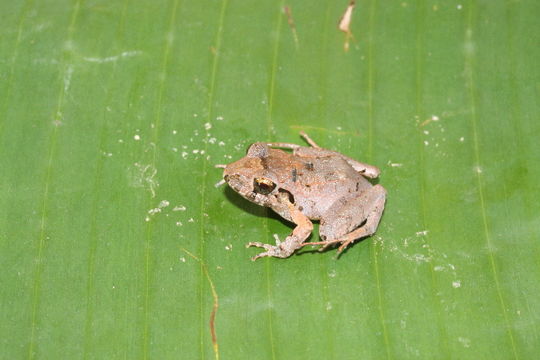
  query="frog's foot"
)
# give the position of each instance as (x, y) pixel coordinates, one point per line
(271, 250)
(281, 249)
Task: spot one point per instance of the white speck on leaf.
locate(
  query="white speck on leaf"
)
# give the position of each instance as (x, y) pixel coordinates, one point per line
(456, 284)
(391, 164)
(464, 341)
(137, 137)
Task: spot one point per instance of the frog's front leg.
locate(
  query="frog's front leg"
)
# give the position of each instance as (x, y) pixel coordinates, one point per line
(294, 241)
(356, 218)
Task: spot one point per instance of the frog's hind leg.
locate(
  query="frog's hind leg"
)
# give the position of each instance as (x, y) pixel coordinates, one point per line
(357, 218)
(309, 140)
(290, 146)
(280, 145)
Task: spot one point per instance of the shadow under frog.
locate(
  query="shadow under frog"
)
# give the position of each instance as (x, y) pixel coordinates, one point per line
(311, 183)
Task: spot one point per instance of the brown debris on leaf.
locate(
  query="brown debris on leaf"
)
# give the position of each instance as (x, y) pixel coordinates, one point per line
(290, 21)
(344, 24)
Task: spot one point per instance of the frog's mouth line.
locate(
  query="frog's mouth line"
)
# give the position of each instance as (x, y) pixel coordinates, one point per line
(234, 182)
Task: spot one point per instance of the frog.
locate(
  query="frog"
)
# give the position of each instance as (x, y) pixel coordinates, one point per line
(303, 184)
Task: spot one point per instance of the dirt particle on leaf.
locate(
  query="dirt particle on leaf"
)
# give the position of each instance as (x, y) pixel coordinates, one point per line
(288, 12)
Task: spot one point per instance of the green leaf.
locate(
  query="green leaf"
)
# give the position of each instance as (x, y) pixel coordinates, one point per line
(114, 242)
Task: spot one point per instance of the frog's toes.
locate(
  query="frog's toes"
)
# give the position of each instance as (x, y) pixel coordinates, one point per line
(261, 245)
(344, 246)
(328, 245)
(260, 255)
(271, 250)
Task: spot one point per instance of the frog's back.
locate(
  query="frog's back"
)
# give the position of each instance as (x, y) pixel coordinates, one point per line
(317, 182)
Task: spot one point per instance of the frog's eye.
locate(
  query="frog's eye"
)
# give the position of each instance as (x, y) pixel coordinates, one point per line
(263, 186)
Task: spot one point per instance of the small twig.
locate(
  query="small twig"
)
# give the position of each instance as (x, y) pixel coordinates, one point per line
(344, 24)
(213, 314)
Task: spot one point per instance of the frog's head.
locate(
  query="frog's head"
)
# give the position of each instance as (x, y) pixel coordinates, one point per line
(249, 176)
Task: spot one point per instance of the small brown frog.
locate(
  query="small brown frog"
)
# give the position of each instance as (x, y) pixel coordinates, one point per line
(311, 183)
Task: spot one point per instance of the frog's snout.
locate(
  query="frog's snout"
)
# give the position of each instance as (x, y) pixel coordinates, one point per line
(234, 181)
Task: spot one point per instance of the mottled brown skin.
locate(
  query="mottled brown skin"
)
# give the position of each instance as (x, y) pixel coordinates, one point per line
(310, 183)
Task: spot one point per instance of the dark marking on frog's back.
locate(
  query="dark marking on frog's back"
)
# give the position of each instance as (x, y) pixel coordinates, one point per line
(294, 173)
(309, 166)
(264, 163)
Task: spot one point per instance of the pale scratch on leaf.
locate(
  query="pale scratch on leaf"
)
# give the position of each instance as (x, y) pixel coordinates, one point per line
(288, 12)
(67, 78)
(345, 23)
(213, 314)
(113, 58)
(144, 176)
